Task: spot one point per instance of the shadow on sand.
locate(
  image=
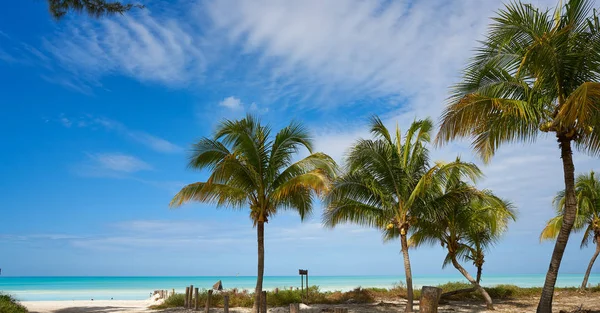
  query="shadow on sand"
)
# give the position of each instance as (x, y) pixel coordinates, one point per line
(91, 309)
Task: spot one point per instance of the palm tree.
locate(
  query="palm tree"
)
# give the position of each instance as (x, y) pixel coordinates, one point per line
(587, 189)
(94, 8)
(386, 185)
(479, 239)
(466, 228)
(250, 168)
(535, 72)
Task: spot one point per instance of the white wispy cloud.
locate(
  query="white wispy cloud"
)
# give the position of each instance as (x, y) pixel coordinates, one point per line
(153, 142)
(183, 234)
(232, 103)
(143, 46)
(119, 162)
(358, 49)
(113, 165)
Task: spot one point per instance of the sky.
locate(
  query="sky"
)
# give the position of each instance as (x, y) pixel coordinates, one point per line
(98, 117)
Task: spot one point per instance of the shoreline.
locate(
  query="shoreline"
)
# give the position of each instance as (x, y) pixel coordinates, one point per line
(62, 288)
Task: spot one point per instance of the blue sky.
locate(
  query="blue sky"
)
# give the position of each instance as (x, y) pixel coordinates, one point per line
(98, 116)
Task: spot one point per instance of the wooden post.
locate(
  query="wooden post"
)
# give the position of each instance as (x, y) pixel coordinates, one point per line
(340, 310)
(196, 299)
(187, 294)
(263, 302)
(173, 293)
(294, 307)
(191, 297)
(276, 290)
(226, 304)
(208, 298)
(430, 298)
(307, 287)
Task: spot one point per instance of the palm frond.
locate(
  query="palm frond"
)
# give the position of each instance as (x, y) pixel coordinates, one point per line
(221, 195)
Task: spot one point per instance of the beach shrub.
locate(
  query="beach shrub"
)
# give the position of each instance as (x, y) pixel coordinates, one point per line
(455, 285)
(9, 304)
(285, 296)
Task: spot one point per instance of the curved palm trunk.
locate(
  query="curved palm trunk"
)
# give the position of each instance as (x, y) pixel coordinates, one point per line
(545, 304)
(260, 233)
(589, 269)
(408, 274)
(486, 296)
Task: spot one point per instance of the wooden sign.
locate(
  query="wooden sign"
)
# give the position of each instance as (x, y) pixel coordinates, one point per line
(302, 272)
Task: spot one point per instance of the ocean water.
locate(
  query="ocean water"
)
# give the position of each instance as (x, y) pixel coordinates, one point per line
(139, 288)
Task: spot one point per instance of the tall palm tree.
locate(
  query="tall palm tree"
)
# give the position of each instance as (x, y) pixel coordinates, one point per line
(251, 169)
(387, 183)
(464, 225)
(587, 189)
(535, 72)
(94, 8)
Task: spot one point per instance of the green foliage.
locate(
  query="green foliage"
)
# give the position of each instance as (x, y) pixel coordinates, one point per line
(94, 8)
(587, 219)
(455, 285)
(536, 71)
(251, 168)
(9, 304)
(359, 295)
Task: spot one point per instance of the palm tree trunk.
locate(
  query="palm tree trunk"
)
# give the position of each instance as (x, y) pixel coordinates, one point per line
(260, 233)
(589, 269)
(545, 304)
(479, 270)
(486, 296)
(408, 274)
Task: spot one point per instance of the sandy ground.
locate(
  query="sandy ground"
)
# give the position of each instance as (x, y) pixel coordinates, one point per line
(570, 303)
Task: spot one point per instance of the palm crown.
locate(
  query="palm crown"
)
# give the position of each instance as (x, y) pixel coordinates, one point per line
(249, 168)
(534, 71)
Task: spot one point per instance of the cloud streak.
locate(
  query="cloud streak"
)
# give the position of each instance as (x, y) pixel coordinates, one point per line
(153, 142)
(113, 165)
(143, 46)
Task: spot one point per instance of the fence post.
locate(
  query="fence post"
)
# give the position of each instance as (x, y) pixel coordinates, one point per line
(196, 299)
(226, 304)
(208, 299)
(187, 293)
(263, 301)
(294, 307)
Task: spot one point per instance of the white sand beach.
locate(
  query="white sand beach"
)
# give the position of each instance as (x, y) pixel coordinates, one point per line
(99, 306)
(590, 302)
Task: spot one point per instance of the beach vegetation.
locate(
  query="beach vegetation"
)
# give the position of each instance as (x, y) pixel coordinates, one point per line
(536, 72)
(250, 168)
(286, 296)
(389, 183)
(587, 218)
(8, 304)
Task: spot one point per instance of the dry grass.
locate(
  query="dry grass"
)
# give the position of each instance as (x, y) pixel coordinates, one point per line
(364, 295)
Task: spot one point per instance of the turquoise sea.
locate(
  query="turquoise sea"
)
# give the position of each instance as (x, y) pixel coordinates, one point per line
(139, 288)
